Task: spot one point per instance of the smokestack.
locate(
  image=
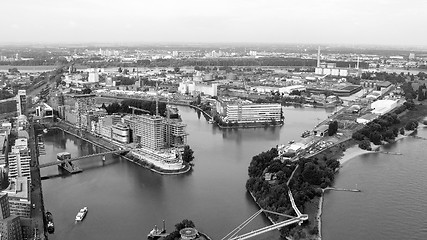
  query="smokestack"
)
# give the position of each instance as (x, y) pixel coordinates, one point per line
(318, 56)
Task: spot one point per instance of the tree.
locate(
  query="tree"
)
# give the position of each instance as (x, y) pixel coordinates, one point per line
(365, 144)
(333, 128)
(187, 156)
(184, 224)
(87, 91)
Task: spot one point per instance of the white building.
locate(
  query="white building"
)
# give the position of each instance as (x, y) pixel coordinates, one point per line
(245, 112)
(381, 107)
(194, 88)
(93, 75)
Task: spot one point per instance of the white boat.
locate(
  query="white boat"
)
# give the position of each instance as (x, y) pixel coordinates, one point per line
(81, 215)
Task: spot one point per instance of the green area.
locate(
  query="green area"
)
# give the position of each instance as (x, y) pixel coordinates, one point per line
(271, 194)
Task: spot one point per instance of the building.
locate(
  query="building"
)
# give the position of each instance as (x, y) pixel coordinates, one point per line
(3, 150)
(19, 159)
(175, 134)
(44, 111)
(149, 131)
(120, 133)
(247, 112)
(93, 76)
(194, 88)
(19, 197)
(10, 225)
(381, 107)
(21, 102)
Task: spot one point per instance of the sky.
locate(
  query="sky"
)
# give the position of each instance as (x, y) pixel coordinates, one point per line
(350, 22)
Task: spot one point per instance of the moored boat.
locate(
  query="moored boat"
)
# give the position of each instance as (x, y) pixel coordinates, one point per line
(50, 225)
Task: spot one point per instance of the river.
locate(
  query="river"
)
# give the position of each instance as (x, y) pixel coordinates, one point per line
(125, 200)
(393, 201)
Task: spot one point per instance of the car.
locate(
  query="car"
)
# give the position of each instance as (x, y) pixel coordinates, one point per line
(34, 206)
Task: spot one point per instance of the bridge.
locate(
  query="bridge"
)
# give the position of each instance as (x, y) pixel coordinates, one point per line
(276, 225)
(49, 164)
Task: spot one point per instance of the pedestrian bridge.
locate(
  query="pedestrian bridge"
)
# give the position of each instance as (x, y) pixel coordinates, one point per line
(49, 164)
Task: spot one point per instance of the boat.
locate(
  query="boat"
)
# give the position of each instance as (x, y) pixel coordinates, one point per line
(305, 134)
(50, 225)
(156, 233)
(81, 214)
(292, 141)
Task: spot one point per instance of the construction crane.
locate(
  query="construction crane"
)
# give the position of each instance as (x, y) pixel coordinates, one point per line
(139, 109)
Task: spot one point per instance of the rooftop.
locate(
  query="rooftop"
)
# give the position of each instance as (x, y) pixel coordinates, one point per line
(18, 188)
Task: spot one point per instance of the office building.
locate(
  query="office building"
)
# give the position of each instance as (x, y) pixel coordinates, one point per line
(21, 102)
(10, 225)
(19, 159)
(149, 131)
(175, 135)
(19, 197)
(247, 112)
(120, 133)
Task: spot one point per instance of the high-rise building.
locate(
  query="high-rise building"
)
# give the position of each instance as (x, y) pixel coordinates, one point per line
(19, 159)
(19, 197)
(149, 131)
(21, 102)
(4, 205)
(10, 225)
(175, 134)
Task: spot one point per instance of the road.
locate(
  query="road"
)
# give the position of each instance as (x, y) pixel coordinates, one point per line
(37, 213)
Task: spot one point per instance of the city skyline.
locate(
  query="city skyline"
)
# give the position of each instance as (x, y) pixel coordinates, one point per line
(345, 22)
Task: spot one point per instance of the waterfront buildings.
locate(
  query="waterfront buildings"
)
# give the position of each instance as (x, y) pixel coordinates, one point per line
(247, 112)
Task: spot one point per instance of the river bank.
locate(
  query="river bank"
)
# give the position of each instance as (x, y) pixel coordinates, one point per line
(350, 153)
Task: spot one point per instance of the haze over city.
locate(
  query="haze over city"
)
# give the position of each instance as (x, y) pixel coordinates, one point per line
(393, 22)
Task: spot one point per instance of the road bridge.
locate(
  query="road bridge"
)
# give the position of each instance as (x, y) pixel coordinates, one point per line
(49, 164)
